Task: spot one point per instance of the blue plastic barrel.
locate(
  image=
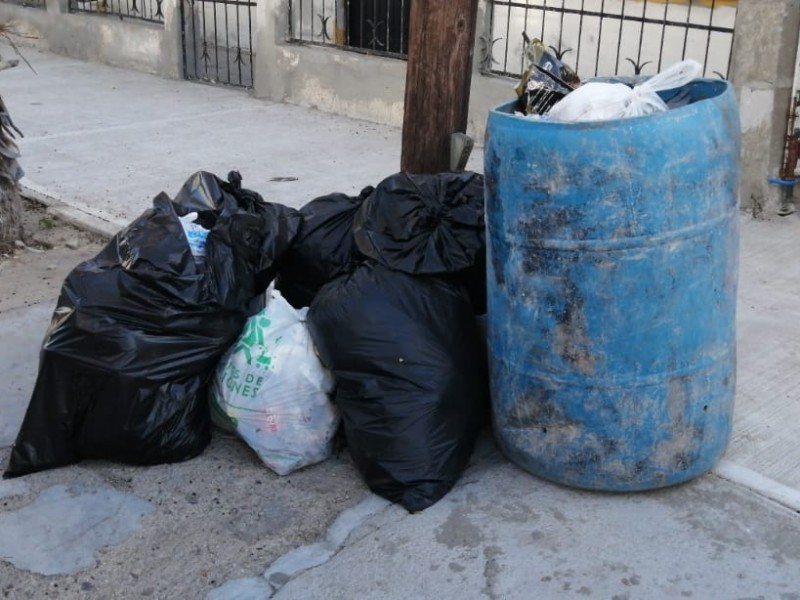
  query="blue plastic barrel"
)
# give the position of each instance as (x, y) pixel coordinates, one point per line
(613, 268)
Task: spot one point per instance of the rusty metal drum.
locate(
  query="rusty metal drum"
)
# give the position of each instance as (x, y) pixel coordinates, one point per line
(612, 276)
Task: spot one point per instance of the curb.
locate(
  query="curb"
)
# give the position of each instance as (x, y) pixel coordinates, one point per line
(75, 216)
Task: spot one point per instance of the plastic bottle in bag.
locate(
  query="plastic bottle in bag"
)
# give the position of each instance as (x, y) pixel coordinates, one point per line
(196, 235)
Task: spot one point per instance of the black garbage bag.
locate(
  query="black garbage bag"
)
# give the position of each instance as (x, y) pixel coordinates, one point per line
(139, 329)
(323, 249)
(211, 198)
(411, 379)
(428, 225)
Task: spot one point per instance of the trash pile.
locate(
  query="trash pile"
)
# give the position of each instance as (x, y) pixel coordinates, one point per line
(136, 330)
(356, 314)
(549, 89)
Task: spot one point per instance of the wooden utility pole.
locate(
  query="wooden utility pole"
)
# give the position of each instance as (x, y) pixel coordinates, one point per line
(441, 37)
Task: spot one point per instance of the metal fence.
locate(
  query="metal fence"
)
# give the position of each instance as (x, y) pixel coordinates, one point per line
(143, 10)
(612, 37)
(218, 41)
(42, 4)
(370, 26)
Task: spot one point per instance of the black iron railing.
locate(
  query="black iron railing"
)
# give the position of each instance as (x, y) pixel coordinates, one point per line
(612, 37)
(370, 26)
(218, 41)
(143, 10)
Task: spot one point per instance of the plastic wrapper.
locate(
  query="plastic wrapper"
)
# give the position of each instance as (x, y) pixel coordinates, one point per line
(138, 330)
(272, 390)
(545, 81)
(538, 91)
(411, 379)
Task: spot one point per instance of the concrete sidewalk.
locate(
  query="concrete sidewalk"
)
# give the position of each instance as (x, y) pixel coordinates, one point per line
(107, 140)
(101, 143)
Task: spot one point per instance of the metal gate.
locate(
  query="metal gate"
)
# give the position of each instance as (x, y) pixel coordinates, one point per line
(218, 41)
(609, 37)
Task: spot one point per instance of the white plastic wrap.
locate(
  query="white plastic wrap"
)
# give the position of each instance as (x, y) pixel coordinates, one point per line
(597, 101)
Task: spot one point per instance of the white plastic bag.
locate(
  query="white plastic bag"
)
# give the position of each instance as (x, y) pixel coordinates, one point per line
(597, 101)
(272, 390)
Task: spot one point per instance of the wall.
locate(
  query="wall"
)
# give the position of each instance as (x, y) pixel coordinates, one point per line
(763, 65)
(128, 43)
(372, 88)
(324, 78)
(348, 83)
(764, 62)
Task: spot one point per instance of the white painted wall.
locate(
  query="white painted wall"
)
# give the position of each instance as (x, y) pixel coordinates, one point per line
(129, 43)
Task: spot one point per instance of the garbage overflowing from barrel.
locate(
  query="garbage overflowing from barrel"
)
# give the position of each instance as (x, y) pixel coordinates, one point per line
(612, 237)
(280, 325)
(550, 90)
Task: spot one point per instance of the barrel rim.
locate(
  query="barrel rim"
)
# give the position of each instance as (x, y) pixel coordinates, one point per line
(504, 110)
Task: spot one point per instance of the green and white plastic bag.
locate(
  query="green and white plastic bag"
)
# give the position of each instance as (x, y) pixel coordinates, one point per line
(273, 391)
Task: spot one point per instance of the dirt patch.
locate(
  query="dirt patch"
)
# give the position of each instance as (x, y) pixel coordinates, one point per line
(49, 249)
(220, 516)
